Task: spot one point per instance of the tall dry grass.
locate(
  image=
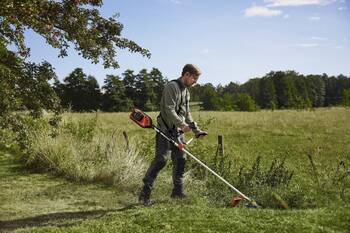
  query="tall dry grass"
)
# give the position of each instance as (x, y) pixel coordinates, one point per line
(81, 152)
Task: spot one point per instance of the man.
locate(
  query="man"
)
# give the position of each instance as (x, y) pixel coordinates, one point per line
(174, 118)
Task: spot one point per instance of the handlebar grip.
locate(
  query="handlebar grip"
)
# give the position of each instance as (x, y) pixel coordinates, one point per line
(202, 133)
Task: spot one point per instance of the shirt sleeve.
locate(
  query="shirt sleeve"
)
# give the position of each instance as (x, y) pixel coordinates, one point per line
(188, 118)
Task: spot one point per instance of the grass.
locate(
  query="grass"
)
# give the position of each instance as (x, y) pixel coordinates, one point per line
(40, 202)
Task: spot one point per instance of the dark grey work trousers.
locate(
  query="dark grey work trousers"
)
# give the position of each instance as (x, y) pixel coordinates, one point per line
(163, 147)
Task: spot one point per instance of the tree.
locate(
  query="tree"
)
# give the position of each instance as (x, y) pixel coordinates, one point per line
(79, 92)
(10, 74)
(196, 93)
(343, 83)
(227, 102)
(244, 102)
(74, 85)
(302, 100)
(231, 88)
(129, 81)
(332, 94)
(346, 98)
(114, 98)
(159, 82)
(316, 90)
(267, 93)
(63, 22)
(252, 88)
(36, 91)
(25, 85)
(145, 94)
(285, 90)
(144, 89)
(211, 100)
(92, 94)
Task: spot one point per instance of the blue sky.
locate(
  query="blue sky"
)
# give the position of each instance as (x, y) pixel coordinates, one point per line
(229, 40)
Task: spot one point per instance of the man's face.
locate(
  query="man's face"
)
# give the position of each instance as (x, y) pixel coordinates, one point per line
(190, 79)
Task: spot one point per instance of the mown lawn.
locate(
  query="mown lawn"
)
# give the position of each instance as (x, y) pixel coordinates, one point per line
(42, 203)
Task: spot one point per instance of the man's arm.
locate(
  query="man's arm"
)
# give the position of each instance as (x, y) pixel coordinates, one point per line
(189, 120)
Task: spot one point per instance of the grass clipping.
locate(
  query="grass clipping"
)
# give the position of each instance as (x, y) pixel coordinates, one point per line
(79, 152)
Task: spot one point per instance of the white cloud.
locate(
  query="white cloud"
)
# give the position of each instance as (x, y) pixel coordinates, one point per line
(314, 18)
(342, 8)
(286, 16)
(319, 38)
(175, 1)
(276, 3)
(206, 51)
(261, 11)
(308, 45)
(338, 47)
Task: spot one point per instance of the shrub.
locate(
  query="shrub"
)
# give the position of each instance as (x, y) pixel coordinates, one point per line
(244, 102)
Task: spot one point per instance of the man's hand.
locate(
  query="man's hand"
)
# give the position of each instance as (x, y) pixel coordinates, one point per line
(201, 134)
(186, 129)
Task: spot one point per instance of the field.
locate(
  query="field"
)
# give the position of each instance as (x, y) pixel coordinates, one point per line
(295, 164)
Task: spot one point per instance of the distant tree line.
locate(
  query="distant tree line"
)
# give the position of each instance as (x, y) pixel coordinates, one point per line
(276, 90)
(29, 86)
(81, 92)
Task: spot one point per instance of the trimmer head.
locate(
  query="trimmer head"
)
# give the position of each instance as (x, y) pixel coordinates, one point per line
(237, 199)
(141, 118)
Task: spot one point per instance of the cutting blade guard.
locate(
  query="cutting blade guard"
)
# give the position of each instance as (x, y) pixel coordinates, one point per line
(141, 118)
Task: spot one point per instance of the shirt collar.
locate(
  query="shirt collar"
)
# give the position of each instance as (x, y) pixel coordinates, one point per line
(182, 85)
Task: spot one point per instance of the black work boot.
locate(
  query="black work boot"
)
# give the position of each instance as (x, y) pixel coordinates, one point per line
(144, 197)
(178, 193)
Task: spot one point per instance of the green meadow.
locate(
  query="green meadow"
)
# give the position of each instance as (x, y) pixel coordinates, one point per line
(85, 177)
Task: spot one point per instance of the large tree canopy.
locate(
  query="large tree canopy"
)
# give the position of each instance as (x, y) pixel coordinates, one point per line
(63, 21)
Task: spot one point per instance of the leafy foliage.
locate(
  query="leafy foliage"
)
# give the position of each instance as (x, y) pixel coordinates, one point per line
(114, 96)
(25, 85)
(81, 92)
(275, 176)
(346, 98)
(276, 90)
(58, 21)
(245, 103)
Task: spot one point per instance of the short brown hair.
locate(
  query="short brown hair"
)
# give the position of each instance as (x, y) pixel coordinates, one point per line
(192, 69)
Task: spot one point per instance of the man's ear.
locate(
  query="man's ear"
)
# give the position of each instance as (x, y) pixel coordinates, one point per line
(187, 74)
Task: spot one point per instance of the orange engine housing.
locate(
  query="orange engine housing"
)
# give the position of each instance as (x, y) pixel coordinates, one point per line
(141, 118)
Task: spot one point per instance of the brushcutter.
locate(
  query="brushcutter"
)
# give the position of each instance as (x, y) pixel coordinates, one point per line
(145, 121)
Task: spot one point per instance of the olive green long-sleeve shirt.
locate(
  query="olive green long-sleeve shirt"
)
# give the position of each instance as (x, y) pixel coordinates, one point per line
(174, 106)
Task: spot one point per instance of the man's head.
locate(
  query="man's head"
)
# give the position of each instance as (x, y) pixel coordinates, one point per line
(190, 74)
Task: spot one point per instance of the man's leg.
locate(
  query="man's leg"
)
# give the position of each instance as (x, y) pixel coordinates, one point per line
(162, 148)
(179, 161)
